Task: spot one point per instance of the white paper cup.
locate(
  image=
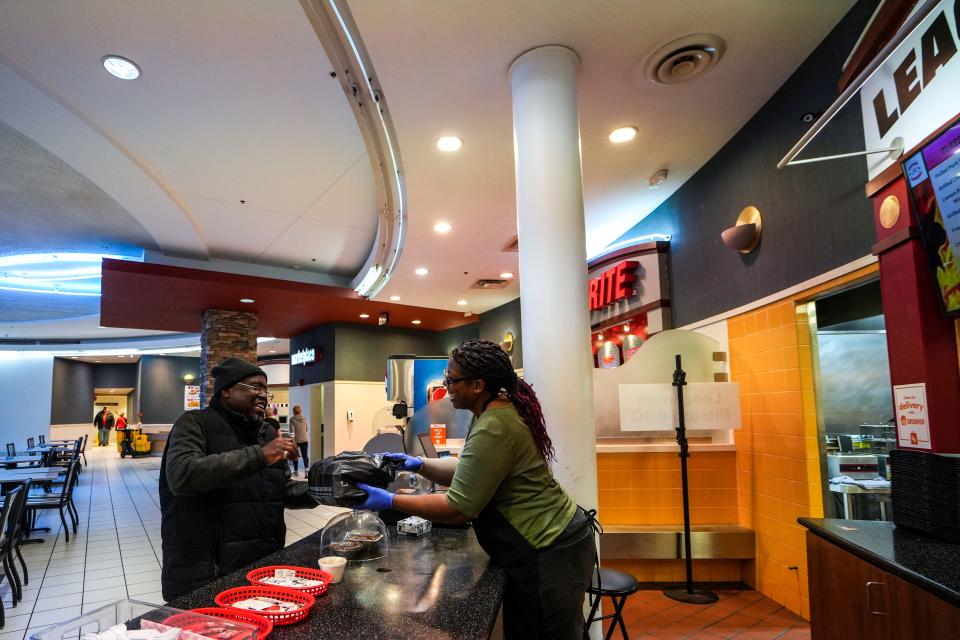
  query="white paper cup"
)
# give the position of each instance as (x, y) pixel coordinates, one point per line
(334, 565)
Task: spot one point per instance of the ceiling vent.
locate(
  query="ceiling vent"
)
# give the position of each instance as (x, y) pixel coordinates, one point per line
(684, 59)
(490, 283)
(513, 246)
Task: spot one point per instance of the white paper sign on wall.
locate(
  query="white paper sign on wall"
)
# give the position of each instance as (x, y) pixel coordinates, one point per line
(706, 405)
(191, 397)
(915, 90)
(913, 425)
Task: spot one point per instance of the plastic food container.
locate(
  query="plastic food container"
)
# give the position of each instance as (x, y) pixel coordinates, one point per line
(131, 613)
(303, 601)
(259, 577)
(198, 620)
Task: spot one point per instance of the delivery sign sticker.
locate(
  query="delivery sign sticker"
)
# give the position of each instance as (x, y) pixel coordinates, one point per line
(913, 426)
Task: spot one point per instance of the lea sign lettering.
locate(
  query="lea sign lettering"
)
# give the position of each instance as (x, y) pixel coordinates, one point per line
(304, 356)
(914, 92)
(613, 284)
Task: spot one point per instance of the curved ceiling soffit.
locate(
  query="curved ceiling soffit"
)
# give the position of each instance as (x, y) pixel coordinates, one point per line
(338, 33)
(50, 121)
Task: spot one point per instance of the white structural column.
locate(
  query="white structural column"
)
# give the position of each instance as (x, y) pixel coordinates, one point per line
(553, 273)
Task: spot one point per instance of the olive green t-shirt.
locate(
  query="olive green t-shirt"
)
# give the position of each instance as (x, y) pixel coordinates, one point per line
(500, 465)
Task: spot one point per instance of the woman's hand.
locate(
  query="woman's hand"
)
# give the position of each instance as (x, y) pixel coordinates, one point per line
(405, 462)
(377, 499)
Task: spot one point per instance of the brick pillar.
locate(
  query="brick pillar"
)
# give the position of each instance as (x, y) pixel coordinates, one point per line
(224, 334)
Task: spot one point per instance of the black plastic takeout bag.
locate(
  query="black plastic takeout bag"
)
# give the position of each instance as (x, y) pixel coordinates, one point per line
(333, 481)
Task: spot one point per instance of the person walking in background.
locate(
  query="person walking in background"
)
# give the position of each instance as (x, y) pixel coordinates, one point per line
(121, 423)
(103, 431)
(299, 425)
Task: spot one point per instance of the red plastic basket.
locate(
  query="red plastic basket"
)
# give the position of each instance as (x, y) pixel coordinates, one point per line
(188, 621)
(257, 575)
(305, 600)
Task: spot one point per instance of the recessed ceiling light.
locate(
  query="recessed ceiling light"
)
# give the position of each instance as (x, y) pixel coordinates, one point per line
(98, 361)
(623, 134)
(506, 275)
(247, 300)
(364, 315)
(414, 322)
(449, 143)
(273, 350)
(121, 67)
(421, 271)
(395, 298)
(442, 227)
(462, 303)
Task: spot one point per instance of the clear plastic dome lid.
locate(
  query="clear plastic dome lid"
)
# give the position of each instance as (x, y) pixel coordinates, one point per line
(356, 535)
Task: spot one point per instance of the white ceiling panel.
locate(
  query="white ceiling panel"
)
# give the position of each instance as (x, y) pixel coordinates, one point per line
(350, 200)
(237, 232)
(329, 247)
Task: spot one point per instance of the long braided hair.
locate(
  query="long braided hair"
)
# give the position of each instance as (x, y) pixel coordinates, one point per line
(488, 362)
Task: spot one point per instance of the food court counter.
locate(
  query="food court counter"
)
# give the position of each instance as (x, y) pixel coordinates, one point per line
(437, 586)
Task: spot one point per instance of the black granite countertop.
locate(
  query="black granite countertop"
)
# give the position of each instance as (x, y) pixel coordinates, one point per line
(435, 586)
(927, 562)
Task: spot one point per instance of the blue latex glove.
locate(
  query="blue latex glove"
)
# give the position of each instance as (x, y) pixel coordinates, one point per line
(405, 462)
(377, 499)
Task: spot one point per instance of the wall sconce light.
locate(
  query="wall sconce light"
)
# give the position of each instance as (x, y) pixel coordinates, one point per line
(745, 235)
(188, 377)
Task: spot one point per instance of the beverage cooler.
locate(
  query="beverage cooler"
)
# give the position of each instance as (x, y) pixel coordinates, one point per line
(417, 382)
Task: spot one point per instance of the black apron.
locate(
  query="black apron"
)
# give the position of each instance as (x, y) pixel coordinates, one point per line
(545, 587)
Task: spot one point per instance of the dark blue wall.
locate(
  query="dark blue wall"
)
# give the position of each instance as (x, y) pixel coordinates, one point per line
(496, 322)
(815, 217)
(357, 352)
(72, 398)
(161, 386)
(112, 376)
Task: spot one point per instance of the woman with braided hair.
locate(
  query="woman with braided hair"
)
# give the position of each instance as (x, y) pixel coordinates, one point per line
(503, 484)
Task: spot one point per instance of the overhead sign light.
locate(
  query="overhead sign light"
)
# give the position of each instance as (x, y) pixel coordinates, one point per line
(71, 274)
(304, 356)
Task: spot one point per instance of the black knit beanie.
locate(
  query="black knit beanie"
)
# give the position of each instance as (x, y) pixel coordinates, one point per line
(230, 372)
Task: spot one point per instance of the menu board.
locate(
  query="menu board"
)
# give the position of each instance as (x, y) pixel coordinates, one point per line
(933, 175)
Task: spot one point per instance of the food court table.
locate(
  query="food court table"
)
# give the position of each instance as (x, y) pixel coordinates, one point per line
(436, 586)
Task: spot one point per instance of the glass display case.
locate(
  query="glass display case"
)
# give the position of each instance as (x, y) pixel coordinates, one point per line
(356, 535)
(136, 615)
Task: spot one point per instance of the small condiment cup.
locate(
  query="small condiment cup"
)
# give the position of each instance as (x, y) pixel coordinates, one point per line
(334, 565)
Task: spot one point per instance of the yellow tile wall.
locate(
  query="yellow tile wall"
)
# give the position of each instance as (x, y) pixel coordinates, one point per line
(644, 489)
(778, 464)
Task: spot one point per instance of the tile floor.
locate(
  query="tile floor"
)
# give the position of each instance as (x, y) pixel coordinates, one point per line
(116, 554)
(738, 615)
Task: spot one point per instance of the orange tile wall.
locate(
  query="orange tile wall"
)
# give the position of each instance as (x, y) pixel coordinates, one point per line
(644, 489)
(778, 464)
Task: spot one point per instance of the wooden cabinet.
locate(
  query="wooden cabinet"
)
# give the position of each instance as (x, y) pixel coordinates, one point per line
(851, 598)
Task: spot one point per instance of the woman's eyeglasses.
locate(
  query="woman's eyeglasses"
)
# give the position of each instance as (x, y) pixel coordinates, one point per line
(447, 380)
(258, 389)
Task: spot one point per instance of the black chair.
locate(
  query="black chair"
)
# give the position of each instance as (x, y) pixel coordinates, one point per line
(43, 439)
(618, 586)
(8, 503)
(11, 450)
(83, 448)
(13, 540)
(31, 443)
(58, 501)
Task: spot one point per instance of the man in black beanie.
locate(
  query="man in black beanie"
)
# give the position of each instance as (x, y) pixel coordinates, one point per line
(222, 483)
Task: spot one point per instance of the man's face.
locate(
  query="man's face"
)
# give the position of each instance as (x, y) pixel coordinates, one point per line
(244, 397)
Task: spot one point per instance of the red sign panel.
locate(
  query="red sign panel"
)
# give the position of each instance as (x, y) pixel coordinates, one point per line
(613, 284)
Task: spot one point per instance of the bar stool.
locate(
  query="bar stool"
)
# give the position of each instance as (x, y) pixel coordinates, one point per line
(618, 586)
